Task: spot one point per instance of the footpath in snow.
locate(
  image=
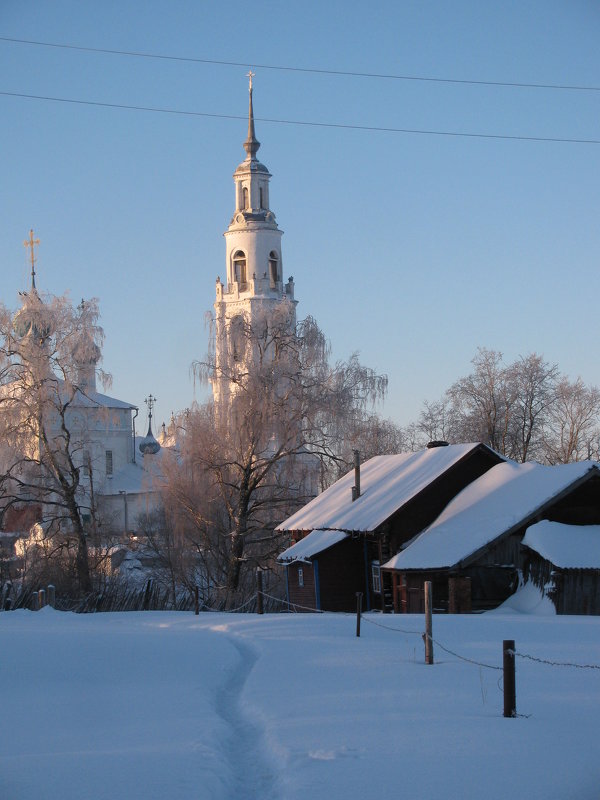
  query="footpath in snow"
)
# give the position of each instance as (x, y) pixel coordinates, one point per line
(169, 706)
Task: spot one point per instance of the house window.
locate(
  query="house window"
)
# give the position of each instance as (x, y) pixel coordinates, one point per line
(109, 463)
(86, 463)
(376, 577)
(239, 269)
(300, 576)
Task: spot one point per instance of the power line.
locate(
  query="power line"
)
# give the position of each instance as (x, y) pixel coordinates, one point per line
(311, 70)
(306, 123)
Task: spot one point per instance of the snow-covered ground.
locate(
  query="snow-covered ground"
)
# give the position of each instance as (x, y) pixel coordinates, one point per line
(172, 706)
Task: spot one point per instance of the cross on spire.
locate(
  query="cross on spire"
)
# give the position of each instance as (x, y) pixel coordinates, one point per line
(150, 400)
(250, 75)
(31, 242)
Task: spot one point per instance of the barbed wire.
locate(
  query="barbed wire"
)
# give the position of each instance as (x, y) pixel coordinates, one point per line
(293, 605)
(462, 658)
(229, 610)
(388, 628)
(554, 663)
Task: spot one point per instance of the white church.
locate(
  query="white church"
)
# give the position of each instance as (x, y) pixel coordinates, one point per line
(120, 472)
(121, 469)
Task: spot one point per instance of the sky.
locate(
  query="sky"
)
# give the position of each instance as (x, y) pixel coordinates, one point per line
(411, 248)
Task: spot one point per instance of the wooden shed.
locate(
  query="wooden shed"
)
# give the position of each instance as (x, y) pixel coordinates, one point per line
(564, 562)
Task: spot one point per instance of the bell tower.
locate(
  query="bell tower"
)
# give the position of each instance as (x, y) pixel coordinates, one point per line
(253, 257)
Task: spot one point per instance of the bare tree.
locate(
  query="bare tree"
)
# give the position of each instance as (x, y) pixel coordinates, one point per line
(572, 432)
(535, 391)
(483, 402)
(256, 455)
(524, 410)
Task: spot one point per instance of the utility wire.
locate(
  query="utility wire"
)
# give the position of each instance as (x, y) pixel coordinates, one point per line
(306, 123)
(312, 70)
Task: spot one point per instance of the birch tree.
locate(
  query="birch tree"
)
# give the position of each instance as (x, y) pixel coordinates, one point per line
(43, 350)
(260, 455)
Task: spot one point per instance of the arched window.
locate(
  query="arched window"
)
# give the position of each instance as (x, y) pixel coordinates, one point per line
(273, 269)
(261, 197)
(245, 193)
(239, 269)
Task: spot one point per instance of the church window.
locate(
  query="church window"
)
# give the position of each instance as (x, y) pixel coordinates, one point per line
(261, 197)
(239, 269)
(273, 269)
(236, 337)
(109, 463)
(246, 203)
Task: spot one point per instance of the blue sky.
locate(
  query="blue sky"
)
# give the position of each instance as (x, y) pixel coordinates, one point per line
(411, 249)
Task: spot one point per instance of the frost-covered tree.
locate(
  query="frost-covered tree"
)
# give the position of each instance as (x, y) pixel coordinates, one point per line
(250, 460)
(46, 351)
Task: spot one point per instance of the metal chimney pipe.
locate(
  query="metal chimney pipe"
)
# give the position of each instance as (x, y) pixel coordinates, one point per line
(357, 472)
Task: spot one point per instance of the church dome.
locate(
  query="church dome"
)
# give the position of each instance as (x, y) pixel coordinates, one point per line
(149, 446)
(33, 318)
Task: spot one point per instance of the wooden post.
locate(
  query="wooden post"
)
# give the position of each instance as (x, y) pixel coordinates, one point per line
(51, 595)
(358, 611)
(508, 664)
(35, 602)
(8, 604)
(428, 624)
(196, 601)
(42, 597)
(259, 591)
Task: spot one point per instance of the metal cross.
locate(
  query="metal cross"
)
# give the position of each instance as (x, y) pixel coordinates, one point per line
(31, 242)
(150, 400)
(250, 75)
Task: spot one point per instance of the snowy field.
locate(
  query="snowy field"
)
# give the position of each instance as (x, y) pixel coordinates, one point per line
(167, 705)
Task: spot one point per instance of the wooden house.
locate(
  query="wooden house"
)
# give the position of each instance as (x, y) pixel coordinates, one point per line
(343, 536)
(472, 553)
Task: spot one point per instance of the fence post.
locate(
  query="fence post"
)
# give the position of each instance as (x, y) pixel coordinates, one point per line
(428, 624)
(42, 597)
(51, 595)
(508, 664)
(196, 601)
(259, 591)
(35, 602)
(358, 611)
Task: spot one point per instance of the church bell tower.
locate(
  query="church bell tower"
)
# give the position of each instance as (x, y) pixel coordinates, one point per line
(253, 258)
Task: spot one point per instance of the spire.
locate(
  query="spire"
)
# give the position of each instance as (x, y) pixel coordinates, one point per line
(31, 242)
(251, 144)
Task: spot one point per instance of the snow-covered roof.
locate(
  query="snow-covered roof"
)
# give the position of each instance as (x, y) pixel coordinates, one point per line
(314, 543)
(387, 483)
(505, 496)
(92, 399)
(565, 546)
